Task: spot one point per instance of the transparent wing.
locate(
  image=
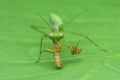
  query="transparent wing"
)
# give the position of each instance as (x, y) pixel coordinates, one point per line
(55, 19)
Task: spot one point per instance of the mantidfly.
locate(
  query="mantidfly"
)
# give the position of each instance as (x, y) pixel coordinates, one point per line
(56, 35)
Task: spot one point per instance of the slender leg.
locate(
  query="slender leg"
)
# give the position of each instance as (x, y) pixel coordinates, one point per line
(40, 49)
(95, 44)
(89, 40)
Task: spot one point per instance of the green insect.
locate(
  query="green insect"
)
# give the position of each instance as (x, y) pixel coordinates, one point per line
(56, 35)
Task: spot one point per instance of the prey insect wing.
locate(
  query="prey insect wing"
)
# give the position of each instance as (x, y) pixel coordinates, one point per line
(74, 48)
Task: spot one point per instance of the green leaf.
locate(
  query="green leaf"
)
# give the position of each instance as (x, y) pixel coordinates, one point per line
(19, 44)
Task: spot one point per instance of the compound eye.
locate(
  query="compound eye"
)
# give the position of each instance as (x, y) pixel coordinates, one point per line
(55, 36)
(51, 35)
(61, 35)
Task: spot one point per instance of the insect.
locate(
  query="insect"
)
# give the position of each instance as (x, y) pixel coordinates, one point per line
(56, 35)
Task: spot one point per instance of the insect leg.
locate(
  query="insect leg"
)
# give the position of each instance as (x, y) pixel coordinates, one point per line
(40, 49)
(88, 39)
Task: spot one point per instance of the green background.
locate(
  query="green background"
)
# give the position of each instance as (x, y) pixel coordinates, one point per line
(19, 44)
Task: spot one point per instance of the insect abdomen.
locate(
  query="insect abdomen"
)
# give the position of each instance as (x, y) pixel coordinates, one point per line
(58, 61)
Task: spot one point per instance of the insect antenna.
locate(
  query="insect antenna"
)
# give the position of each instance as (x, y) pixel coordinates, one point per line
(40, 49)
(44, 21)
(67, 23)
(36, 28)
